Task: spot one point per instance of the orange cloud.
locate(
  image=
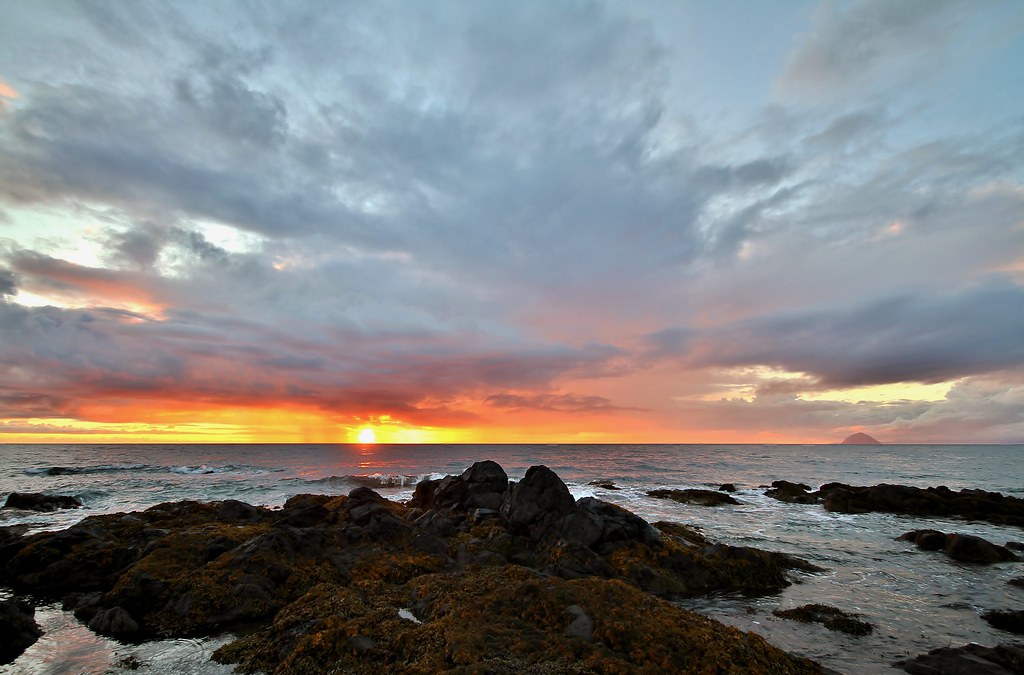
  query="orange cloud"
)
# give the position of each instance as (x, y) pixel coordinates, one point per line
(7, 91)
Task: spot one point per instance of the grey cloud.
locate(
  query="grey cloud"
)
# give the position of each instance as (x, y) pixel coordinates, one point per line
(8, 282)
(566, 403)
(870, 38)
(907, 338)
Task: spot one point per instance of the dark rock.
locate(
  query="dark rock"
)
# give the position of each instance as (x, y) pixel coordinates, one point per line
(604, 484)
(18, 628)
(1008, 620)
(832, 618)
(928, 502)
(727, 487)
(1015, 545)
(961, 547)
(486, 476)
(794, 493)
(581, 626)
(115, 622)
(699, 497)
(971, 659)
(233, 511)
(536, 502)
(37, 501)
(1018, 582)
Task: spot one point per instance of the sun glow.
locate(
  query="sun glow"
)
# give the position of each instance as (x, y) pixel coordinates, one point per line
(367, 436)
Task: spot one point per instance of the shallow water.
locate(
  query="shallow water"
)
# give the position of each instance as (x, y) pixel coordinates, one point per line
(917, 600)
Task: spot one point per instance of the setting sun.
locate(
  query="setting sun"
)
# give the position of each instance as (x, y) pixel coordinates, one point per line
(366, 436)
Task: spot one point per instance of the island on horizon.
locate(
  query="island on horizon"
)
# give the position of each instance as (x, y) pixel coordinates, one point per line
(861, 438)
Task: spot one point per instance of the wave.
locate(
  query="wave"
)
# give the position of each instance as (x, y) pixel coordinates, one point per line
(77, 470)
(202, 469)
(374, 480)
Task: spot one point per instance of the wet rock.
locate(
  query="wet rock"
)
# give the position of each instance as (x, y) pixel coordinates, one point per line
(727, 487)
(1008, 620)
(194, 569)
(1018, 582)
(36, 501)
(18, 628)
(961, 547)
(699, 497)
(971, 659)
(832, 618)
(933, 501)
(604, 484)
(794, 493)
(115, 622)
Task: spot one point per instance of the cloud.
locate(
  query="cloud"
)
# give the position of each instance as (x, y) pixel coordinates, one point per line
(870, 39)
(919, 338)
(561, 403)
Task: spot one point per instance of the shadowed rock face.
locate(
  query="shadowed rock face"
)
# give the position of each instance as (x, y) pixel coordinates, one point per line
(699, 497)
(323, 579)
(18, 628)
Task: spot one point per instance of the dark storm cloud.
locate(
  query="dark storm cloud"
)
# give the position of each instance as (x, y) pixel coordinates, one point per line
(910, 338)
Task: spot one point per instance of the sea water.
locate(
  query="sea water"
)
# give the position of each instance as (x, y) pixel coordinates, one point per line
(916, 600)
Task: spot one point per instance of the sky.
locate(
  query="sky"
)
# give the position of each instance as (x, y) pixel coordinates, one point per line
(459, 221)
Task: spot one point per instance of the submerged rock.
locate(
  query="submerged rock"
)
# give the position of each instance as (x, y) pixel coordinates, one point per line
(18, 628)
(1006, 619)
(961, 547)
(322, 580)
(794, 493)
(971, 659)
(37, 501)
(699, 497)
(832, 618)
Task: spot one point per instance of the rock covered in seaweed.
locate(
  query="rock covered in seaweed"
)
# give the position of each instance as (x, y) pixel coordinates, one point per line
(191, 569)
(500, 619)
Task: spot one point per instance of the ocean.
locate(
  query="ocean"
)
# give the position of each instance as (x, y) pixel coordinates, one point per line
(916, 600)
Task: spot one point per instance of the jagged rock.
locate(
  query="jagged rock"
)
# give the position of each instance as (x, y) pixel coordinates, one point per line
(962, 547)
(971, 659)
(537, 501)
(193, 569)
(699, 497)
(1008, 620)
(832, 618)
(18, 628)
(37, 501)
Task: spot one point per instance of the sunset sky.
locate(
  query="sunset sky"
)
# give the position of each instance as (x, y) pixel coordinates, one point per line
(512, 221)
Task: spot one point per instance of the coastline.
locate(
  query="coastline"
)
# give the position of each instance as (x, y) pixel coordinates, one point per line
(556, 552)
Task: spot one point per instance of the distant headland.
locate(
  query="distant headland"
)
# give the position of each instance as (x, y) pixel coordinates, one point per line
(860, 438)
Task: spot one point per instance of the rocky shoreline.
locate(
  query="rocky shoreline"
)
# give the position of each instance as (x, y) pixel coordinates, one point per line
(474, 574)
